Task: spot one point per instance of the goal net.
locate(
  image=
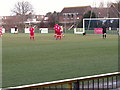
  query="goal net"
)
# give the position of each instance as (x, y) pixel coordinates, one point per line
(95, 24)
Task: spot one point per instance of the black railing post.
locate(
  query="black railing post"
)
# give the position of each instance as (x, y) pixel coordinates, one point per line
(88, 84)
(82, 85)
(98, 84)
(103, 84)
(93, 84)
(116, 82)
(107, 83)
(112, 82)
(76, 85)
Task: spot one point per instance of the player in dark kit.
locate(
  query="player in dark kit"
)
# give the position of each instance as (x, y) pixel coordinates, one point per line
(16, 29)
(104, 31)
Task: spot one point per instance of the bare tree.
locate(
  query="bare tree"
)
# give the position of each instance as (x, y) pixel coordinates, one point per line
(22, 8)
(101, 5)
(23, 11)
(53, 18)
(118, 3)
(114, 9)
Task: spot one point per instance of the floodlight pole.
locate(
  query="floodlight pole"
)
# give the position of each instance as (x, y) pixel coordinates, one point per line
(83, 25)
(65, 21)
(119, 18)
(118, 9)
(74, 19)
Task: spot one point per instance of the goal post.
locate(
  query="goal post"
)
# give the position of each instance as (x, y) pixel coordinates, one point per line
(95, 24)
(79, 31)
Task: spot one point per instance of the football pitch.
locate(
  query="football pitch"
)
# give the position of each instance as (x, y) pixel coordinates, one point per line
(45, 59)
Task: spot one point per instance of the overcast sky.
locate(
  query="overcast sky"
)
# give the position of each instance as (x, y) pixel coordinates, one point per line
(43, 6)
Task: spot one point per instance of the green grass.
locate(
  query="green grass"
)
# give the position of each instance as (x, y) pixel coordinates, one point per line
(46, 59)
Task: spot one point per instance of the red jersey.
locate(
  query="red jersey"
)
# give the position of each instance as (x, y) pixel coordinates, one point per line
(0, 30)
(56, 26)
(57, 29)
(31, 30)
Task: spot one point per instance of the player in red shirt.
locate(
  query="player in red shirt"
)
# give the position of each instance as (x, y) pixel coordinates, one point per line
(56, 28)
(58, 32)
(31, 29)
(1, 31)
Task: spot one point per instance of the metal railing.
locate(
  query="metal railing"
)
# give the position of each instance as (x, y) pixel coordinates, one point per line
(96, 82)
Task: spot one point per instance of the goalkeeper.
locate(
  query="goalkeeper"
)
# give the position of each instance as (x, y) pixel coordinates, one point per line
(104, 31)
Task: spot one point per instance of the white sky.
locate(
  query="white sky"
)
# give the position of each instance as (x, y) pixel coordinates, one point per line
(44, 6)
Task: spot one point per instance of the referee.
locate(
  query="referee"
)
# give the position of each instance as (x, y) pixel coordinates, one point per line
(16, 29)
(104, 31)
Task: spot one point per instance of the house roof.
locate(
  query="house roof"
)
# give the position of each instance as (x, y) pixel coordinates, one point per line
(39, 17)
(101, 12)
(79, 9)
